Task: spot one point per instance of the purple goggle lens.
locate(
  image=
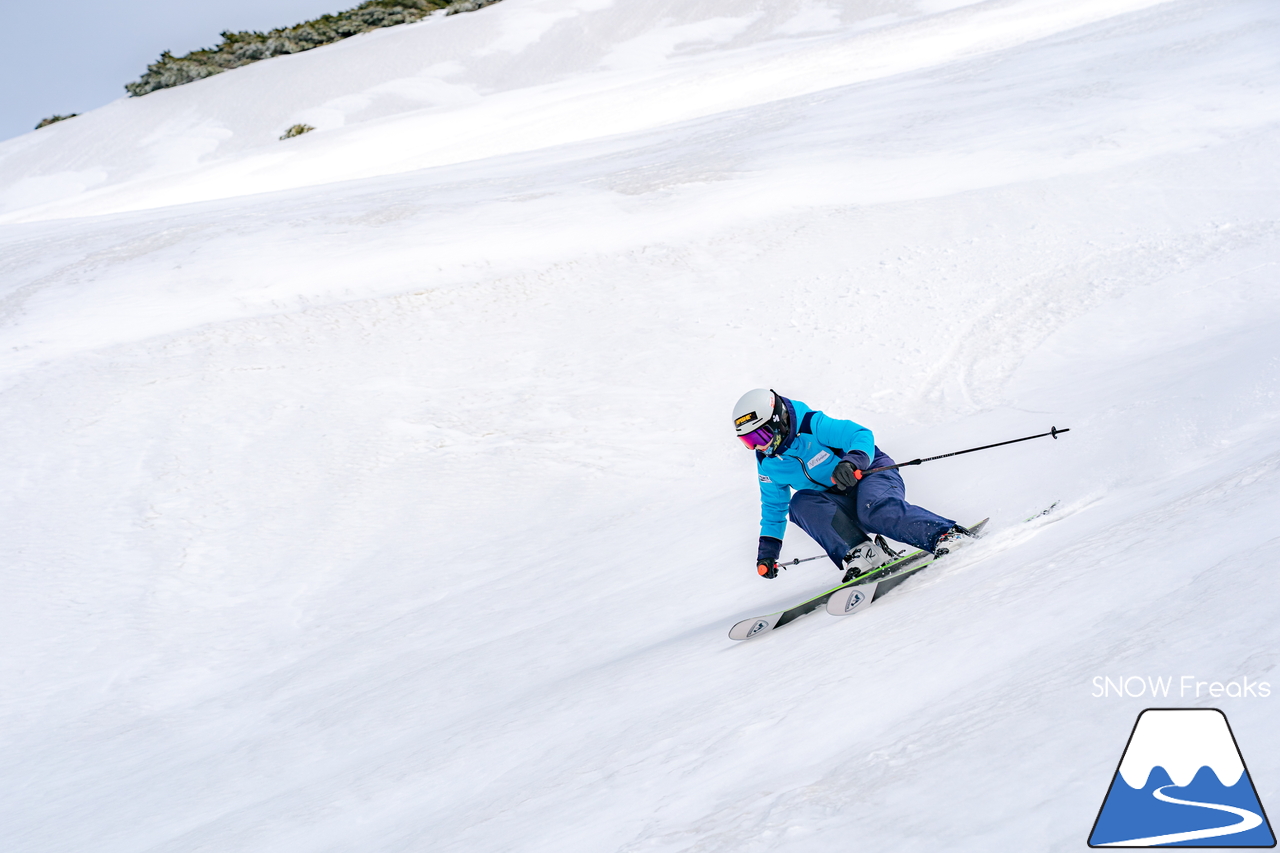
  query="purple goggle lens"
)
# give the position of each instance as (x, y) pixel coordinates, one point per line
(757, 439)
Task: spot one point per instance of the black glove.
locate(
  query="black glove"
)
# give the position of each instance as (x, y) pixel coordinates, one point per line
(846, 475)
(767, 557)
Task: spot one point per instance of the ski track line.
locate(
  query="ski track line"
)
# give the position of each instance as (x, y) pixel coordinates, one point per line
(1248, 820)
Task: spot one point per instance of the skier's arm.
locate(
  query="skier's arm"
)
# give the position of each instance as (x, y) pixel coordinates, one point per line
(858, 443)
(775, 499)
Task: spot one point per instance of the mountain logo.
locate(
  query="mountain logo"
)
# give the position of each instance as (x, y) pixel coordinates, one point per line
(1181, 783)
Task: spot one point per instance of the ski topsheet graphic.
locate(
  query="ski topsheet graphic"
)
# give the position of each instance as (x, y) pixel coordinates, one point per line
(1182, 783)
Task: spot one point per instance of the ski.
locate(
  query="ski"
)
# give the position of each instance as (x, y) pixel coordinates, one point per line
(864, 590)
(880, 581)
(1050, 508)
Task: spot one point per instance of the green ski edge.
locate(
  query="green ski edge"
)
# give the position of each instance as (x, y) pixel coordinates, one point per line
(893, 572)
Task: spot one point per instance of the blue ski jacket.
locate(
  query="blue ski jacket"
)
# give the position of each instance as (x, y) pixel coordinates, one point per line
(806, 458)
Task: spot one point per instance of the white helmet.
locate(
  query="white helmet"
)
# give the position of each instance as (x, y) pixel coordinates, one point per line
(753, 410)
(758, 420)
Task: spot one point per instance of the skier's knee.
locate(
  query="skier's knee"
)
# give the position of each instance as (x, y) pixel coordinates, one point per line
(884, 508)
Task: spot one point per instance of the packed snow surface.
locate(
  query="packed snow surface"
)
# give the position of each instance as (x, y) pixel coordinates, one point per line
(374, 490)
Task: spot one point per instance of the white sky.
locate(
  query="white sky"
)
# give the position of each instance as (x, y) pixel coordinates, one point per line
(77, 55)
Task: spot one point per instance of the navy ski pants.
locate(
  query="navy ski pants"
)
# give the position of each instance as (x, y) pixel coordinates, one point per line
(838, 522)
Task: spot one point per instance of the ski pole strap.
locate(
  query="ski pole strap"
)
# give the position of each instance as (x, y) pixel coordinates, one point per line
(1053, 431)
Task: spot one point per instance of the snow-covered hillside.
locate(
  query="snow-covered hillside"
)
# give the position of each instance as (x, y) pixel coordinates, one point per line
(374, 489)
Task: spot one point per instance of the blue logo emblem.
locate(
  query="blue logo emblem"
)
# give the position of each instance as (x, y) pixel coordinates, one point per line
(1181, 783)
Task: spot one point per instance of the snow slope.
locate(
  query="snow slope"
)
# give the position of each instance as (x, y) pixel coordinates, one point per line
(373, 490)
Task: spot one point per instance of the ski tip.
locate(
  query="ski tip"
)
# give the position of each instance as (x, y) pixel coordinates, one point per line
(1046, 511)
(754, 627)
(846, 601)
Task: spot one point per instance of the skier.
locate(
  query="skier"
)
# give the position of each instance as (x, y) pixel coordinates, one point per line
(823, 459)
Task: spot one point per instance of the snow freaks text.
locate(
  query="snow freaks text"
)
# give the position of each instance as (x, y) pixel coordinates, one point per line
(1181, 687)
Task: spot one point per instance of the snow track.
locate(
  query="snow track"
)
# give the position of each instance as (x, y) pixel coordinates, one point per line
(373, 490)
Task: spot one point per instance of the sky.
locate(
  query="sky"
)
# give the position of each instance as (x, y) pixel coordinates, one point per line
(77, 55)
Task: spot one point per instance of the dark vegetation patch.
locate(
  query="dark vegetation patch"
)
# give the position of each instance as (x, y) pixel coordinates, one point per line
(243, 48)
(45, 122)
(297, 130)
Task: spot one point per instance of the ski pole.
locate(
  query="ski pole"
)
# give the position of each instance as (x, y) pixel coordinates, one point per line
(798, 561)
(1053, 431)
(879, 540)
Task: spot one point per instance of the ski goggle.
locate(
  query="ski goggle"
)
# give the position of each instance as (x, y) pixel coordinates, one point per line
(757, 439)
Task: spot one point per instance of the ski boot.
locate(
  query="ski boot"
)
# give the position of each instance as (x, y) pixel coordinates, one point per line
(952, 539)
(865, 557)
